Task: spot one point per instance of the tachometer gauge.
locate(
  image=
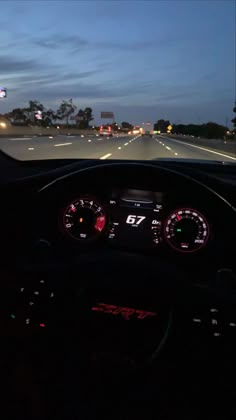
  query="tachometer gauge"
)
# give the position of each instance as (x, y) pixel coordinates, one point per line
(186, 230)
(84, 219)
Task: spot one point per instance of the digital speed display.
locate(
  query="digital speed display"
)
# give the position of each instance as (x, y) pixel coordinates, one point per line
(136, 218)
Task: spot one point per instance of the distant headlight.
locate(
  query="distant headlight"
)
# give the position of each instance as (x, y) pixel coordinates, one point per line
(3, 125)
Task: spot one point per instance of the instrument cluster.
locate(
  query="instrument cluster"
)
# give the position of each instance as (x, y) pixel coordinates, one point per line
(135, 218)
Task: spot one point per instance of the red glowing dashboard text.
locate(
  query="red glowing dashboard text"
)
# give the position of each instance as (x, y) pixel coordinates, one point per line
(123, 311)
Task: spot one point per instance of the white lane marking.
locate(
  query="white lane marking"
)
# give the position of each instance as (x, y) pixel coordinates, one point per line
(89, 140)
(50, 137)
(30, 148)
(106, 156)
(205, 149)
(168, 148)
(130, 141)
(62, 144)
(21, 138)
(119, 148)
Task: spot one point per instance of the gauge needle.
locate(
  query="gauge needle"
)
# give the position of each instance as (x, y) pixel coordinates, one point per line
(178, 217)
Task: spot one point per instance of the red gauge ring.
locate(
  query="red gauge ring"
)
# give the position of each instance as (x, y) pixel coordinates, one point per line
(84, 219)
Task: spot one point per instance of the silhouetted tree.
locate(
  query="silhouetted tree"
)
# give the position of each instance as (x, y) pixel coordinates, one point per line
(127, 125)
(234, 119)
(66, 110)
(83, 117)
(161, 125)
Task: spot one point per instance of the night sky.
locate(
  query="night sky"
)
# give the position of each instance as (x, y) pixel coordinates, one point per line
(144, 60)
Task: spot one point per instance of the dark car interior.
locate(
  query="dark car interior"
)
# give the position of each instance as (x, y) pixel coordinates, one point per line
(118, 289)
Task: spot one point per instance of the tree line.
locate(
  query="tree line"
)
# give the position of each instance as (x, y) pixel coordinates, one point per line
(210, 130)
(38, 115)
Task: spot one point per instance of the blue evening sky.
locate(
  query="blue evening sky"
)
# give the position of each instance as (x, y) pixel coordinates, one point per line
(144, 60)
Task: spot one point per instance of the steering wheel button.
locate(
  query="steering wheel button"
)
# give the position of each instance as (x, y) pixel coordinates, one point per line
(36, 292)
(214, 310)
(22, 289)
(217, 334)
(31, 303)
(42, 281)
(214, 322)
(232, 324)
(197, 320)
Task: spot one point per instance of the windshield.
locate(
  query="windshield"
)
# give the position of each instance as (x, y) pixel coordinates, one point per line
(118, 79)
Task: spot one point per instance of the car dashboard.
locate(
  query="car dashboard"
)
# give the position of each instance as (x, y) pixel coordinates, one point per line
(148, 207)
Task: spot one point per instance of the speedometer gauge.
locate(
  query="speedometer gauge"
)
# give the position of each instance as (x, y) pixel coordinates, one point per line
(84, 219)
(186, 230)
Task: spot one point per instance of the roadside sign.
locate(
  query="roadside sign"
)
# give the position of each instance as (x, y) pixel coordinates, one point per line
(79, 118)
(3, 92)
(107, 115)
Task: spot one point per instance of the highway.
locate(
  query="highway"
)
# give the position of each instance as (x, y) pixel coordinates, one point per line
(117, 147)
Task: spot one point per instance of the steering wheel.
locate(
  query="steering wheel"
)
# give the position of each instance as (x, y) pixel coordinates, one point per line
(121, 303)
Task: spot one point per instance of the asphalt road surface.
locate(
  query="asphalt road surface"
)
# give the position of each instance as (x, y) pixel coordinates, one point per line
(125, 147)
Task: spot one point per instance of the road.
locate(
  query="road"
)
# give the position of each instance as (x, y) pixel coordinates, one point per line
(122, 147)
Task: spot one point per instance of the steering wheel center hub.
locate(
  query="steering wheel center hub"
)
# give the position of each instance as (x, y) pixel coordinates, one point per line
(115, 322)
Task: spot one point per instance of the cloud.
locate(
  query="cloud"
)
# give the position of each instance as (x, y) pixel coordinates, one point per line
(209, 76)
(76, 43)
(61, 40)
(79, 75)
(50, 79)
(134, 45)
(9, 64)
(53, 91)
(180, 96)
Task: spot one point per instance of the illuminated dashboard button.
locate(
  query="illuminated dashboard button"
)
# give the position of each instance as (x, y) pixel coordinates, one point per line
(197, 320)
